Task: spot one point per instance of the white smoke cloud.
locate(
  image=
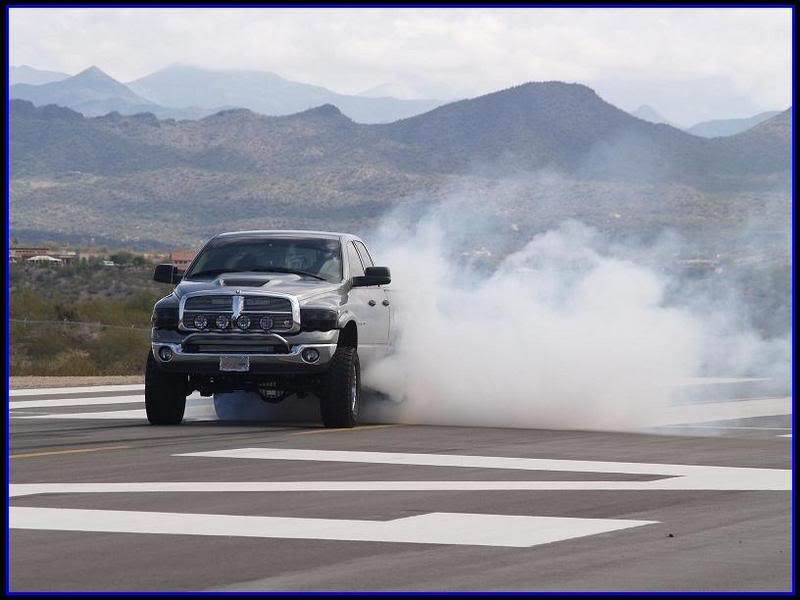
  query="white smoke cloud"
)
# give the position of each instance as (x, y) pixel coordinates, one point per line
(565, 333)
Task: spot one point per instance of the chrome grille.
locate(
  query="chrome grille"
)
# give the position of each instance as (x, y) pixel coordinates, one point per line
(276, 308)
(209, 303)
(269, 304)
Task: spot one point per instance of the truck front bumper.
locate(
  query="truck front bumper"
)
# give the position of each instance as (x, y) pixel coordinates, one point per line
(293, 359)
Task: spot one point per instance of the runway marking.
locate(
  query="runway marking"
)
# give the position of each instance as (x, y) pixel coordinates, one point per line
(720, 411)
(431, 528)
(691, 381)
(77, 390)
(198, 408)
(672, 416)
(679, 477)
(353, 429)
(18, 404)
(727, 427)
(138, 414)
(76, 451)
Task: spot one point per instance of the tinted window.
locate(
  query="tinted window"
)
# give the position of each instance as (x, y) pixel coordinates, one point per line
(356, 268)
(320, 257)
(365, 257)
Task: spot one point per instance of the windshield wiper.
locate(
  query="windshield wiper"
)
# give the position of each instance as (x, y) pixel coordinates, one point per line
(287, 270)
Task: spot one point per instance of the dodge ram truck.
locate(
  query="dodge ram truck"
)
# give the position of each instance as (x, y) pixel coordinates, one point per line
(279, 313)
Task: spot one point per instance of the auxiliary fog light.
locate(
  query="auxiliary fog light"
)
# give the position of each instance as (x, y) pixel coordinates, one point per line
(165, 353)
(266, 323)
(222, 322)
(201, 322)
(243, 322)
(310, 355)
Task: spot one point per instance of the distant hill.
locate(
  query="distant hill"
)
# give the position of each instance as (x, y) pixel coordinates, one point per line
(26, 74)
(567, 127)
(767, 145)
(266, 93)
(91, 92)
(724, 127)
(648, 113)
(569, 153)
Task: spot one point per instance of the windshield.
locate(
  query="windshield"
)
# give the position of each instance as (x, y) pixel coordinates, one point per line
(316, 258)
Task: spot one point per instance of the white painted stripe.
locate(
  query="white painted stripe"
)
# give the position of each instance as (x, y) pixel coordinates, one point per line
(460, 460)
(788, 435)
(137, 414)
(432, 528)
(727, 427)
(673, 484)
(717, 380)
(17, 404)
(136, 387)
(137, 399)
(703, 412)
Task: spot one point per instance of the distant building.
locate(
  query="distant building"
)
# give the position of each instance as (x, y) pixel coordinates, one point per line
(44, 259)
(182, 258)
(67, 256)
(41, 253)
(26, 252)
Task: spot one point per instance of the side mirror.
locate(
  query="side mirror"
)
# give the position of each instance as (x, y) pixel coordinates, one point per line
(373, 276)
(167, 274)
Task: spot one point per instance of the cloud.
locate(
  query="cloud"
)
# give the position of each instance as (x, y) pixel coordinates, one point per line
(446, 53)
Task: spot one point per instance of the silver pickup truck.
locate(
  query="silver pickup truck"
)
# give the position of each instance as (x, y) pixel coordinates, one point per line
(274, 312)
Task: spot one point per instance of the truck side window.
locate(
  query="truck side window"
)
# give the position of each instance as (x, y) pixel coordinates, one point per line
(365, 257)
(356, 268)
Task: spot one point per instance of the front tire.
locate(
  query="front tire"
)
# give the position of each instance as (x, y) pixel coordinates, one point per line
(164, 394)
(340, 400)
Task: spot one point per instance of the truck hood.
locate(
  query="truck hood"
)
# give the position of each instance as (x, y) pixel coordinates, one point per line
(286, 283)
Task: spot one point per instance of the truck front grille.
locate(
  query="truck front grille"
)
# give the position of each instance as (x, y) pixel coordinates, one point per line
(233, 344)
(269, 304)
(209, 303)
(266, 313)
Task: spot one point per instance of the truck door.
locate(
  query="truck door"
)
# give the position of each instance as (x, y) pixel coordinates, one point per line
(386, 316)
(372, 315)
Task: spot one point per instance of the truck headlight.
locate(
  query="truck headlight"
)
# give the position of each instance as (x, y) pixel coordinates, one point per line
(319, 319)
(165, 317)
(222, 322)
(200, 321)
(265, 323)
(243, 322)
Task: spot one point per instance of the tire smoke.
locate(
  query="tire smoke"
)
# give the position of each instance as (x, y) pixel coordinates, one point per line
(567, 332)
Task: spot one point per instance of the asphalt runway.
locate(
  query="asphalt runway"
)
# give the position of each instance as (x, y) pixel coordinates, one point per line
(101, 501)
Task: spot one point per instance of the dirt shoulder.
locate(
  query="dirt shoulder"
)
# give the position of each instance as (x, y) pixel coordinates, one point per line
(34, 381)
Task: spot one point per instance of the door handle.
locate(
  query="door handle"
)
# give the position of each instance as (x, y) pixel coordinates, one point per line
(385, 303)
(371, 302)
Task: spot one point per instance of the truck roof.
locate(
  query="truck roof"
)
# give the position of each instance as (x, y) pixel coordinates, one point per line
(289, 233)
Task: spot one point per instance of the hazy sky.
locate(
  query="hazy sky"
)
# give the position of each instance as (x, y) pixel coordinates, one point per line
(690, 64)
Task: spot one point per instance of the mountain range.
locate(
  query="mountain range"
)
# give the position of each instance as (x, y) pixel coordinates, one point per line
(725, 127)
(530, 156)
(184, 92)
(28, 74)
(707, 129)
(187, 92)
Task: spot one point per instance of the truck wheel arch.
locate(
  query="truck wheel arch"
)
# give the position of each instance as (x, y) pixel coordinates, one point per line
(348, 335)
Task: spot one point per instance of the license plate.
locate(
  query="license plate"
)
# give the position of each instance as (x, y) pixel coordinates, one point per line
(234, 363)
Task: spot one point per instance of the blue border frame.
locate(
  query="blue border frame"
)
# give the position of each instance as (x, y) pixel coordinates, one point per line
(7, 251)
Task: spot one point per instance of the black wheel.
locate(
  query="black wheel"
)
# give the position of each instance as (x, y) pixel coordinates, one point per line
(341, 395)
(164, 394)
